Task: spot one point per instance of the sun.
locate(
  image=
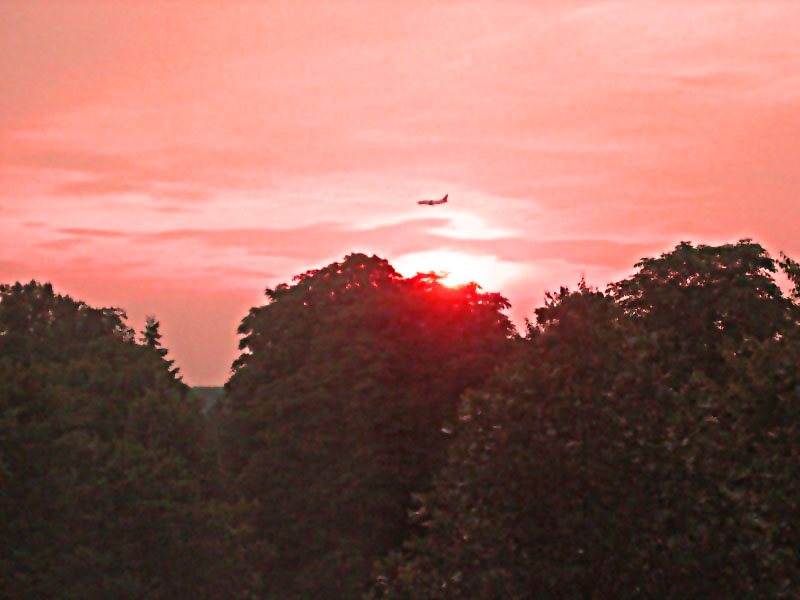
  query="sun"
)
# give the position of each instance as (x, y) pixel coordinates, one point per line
(458, 268)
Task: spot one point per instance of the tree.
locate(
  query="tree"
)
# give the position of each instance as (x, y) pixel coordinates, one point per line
(601, 462)
(335, 410)
(697, 300)
(151, 338)
(530, 502)
(792, 270)
(106, 483)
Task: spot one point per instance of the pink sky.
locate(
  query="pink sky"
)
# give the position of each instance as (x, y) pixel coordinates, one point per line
(175, 158)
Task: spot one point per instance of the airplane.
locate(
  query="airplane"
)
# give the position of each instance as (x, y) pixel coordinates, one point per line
(432, 202)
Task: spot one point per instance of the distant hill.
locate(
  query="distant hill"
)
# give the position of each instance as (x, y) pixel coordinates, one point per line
(208, 395)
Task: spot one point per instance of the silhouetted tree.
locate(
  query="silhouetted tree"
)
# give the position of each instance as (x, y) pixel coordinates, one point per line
(700, 302)
(107, 488)
(603, 463)
(151, 336)
(335, 410)
(792, 270)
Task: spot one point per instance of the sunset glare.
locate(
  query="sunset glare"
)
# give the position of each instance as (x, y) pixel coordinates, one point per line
(457, 268)
(176, 159)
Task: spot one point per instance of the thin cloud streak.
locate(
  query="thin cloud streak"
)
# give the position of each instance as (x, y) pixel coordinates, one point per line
(323, 239)
(93, 232)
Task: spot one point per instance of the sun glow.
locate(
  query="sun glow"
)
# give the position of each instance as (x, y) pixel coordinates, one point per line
(457, 268)
(463, 224)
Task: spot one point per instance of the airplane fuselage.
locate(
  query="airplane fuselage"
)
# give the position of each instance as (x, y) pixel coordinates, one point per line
(433, 202)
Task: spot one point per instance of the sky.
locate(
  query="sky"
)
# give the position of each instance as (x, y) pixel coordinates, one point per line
(177, 158)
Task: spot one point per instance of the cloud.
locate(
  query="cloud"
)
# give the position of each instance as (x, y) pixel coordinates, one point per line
(587, 251)
(79, 237)
(7, 212)
(11, 269)
(80, 161)
(93, 232)
(177, 208)
(62, 244)
(311, 241)
(330, 241)
(98, 172)
(127, 183)
(232, 272)
(99, 187)
(88, 173)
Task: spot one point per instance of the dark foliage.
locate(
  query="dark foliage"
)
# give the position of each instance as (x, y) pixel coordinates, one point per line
(641, 444)
(335, 411)
(392, 437)
(107, 491)
(207, 396)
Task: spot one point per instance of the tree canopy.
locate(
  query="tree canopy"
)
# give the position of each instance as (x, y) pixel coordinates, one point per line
(336, 407)
(641, 443)
(383, 436)
(105, 481)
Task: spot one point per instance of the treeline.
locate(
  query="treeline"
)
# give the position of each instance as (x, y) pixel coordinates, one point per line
(391, 437)
(109, 487)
